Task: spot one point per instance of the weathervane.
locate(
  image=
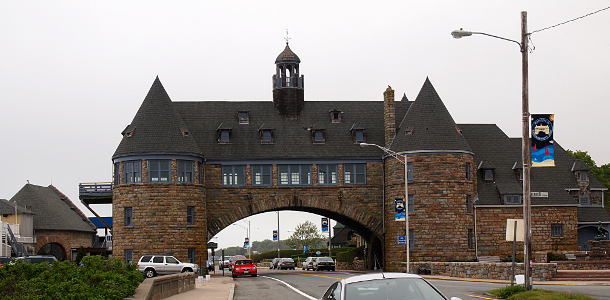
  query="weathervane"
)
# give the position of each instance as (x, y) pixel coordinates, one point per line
(286, 38)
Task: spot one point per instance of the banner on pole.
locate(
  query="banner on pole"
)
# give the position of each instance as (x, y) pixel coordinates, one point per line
(275, 235)
(247, 242)
(543, 152)
(324, 224)
(399, 207)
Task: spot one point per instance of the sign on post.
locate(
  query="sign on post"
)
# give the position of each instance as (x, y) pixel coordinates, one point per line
(402, 240)
(510, 227)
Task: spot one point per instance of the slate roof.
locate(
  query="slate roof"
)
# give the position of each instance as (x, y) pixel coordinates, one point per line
(8, 208)
(287, 55)
(157, 128)
(53, 210)
(592, 215)
(429, 124)
(494, 148)
(291, 138)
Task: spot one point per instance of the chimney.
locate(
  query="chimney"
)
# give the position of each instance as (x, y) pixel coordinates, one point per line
(389, 116)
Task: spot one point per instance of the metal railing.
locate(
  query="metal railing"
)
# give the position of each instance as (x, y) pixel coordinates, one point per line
(95, 189)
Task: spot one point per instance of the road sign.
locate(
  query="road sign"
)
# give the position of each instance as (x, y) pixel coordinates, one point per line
(402, 240)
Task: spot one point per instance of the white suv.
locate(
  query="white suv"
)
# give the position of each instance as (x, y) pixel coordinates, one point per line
(153, 265)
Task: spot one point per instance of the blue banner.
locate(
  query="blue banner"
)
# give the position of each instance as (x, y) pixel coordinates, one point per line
(275, 235)
(247, 243)
(305, 249)
(399, 208)
(324, 224)
(543, 152)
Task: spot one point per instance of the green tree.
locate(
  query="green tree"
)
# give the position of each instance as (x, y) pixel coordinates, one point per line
(306, 234)
(601, 173)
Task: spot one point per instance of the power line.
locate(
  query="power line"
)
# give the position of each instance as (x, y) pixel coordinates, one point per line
(570, 20)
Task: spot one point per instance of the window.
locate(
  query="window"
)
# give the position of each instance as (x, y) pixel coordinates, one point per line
(117, 173)
(261, 174)
(185, 171)
(158, 170)
(191, 255)
(327, 174)
(556, 230)
(335, 116)
(489, 175)
(358, 135)
(467, 171)
(294, 174)
(354, 173)
(224, 136)
(190, 215)
(128, 256)
(584, 200)
(411, 204)
(411, 239)
(584, 176)
(233, 175)
(333, 293)
(267, 136)
(469, 238)
(243, 117)
(133, 171)
(467, 203)
(512, 199)
(318, 136)
(410, 171)
(128, 216)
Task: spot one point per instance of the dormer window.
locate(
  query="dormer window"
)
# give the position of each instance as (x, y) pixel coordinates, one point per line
(512, 199)
(244, 117)
(184, 132)
(224, 136)
(358, 135)
(335, 116)
(584, 176)
(266, 136)
(487, 170)
(489, 175)
(319, 136)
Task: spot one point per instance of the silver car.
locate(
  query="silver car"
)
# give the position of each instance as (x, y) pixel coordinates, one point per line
(383, 286)
(286, 264)
(309, 263)
(153, 265)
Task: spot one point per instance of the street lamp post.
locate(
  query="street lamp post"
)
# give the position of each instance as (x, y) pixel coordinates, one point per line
(525, 145)
(278, 234)
(396, 155)
(247, 234)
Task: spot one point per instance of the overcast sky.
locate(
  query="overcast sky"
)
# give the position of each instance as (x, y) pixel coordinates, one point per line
(74, 73)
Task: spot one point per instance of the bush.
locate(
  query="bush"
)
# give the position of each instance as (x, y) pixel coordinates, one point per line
(99, 278)
(552, 256)
(508, 291)
(510, 259)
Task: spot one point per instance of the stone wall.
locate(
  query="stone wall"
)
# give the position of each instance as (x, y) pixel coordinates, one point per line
(583, 265)
(357, 265)
(491, 229)
(477, 270)
(67, 239)
(164, 286)
(441, 219)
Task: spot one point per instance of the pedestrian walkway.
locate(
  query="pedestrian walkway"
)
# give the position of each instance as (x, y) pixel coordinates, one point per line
(217, 288)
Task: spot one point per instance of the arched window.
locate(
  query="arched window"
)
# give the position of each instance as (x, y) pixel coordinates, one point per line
(53, 249)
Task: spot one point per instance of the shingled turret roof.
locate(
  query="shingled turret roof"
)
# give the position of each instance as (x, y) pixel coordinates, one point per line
(53, 210)
(157, 128)
(287, 55)
(428, 126)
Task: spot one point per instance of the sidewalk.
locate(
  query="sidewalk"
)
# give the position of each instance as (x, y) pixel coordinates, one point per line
(217, 288)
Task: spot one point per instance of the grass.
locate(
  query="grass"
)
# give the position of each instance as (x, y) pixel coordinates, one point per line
(518, 292)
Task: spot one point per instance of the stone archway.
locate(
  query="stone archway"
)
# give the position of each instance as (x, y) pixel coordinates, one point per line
(54, 249)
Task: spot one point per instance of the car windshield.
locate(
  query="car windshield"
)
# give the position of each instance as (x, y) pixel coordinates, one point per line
(392, 288)
(325, 259)
(244, 262)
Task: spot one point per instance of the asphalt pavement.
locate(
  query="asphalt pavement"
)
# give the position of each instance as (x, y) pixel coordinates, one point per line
(223, 287)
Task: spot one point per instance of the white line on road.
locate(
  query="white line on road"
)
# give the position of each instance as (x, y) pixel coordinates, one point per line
(293, 288)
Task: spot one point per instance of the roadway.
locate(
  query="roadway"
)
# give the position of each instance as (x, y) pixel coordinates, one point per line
(298, 284)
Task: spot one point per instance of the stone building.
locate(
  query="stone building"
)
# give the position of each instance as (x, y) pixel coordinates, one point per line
(183, 171)
(53, 224)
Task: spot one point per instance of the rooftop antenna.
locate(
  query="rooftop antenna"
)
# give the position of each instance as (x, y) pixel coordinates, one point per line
(287, 38)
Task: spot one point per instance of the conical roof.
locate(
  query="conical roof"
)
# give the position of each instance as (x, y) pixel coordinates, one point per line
(157, 128)
(287, 55)
(428, 126)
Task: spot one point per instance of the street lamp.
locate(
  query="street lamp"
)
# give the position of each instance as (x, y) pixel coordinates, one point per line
(525, 144)
(248, 235)
(396, 155)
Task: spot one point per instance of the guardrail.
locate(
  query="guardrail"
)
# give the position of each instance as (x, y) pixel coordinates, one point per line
(95, 189)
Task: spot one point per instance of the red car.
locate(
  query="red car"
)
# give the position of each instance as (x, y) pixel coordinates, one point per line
(244, 267)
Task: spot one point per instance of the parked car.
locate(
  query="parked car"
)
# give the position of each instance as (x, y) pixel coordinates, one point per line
(224, 263)
(324, 263)
(309, 263)
(273, 263)
(244, 267)
(34, 259)
(4, 260)
(286, 264)
(159, 264)
(232, 260)
(384, 286)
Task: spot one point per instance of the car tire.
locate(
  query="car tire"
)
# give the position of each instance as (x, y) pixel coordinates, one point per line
(187, 270)
(333, 269)
(233, 275)
(150, 273)
(254, 275)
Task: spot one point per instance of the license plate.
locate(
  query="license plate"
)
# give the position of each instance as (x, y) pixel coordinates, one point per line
(246, 272)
